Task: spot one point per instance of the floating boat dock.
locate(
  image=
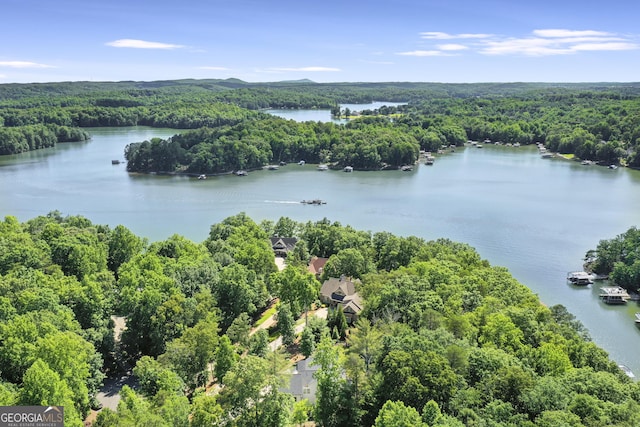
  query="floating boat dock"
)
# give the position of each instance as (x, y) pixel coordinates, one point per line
(614, 295)
(580, 278)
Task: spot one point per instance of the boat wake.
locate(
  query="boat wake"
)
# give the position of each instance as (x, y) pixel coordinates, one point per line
(284, 202)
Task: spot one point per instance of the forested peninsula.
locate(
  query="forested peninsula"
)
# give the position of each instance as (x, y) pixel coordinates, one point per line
(224, 129)
(618, 259)
(443, 337)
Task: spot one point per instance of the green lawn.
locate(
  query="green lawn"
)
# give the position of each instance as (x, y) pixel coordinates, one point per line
(265, 316)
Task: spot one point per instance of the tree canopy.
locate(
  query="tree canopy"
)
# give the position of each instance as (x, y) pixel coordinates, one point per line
(225, 131)
(444, 338)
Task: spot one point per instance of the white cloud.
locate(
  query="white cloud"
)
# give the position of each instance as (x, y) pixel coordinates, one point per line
(213, 68)
(452, 46)
(437, 35)
(557, 42)
(308, 69)
(378, 62)
(142, 44)
(423, 53)
(569, 33)
(587, 39)
(23, 64)
(541, 42)
(605, 46)
(528, 46)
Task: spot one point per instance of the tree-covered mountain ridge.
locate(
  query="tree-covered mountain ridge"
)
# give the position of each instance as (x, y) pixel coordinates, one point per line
(30, 90)
(444, 338)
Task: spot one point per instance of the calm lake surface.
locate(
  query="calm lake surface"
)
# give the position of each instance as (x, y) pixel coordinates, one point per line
(322, 115)
(535, 216)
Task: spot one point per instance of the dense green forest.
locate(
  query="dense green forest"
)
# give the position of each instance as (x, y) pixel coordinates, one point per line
(445, 339)
(599, 122)
(618, 258)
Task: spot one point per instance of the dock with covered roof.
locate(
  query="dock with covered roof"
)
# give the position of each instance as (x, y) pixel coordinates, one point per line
(614, 295)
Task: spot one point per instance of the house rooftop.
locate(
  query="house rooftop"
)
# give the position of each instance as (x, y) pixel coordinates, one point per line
(282, 245)
(317, 264)
(614, 291)
(302, 384)
(337, 289)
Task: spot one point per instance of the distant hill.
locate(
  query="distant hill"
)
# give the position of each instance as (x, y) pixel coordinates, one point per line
(25, 90)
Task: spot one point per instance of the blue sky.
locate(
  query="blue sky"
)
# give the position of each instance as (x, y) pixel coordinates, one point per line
(456, 41)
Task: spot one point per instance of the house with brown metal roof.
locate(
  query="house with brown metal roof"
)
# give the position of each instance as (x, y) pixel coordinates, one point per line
(316, 265)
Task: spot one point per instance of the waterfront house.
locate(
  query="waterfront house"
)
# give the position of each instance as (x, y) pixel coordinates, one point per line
(342, 292)
(282, 245)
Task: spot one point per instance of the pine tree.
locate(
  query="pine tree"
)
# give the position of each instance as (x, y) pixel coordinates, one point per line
(286, 324)
(341, 323)
(225, 357)
(307, 342)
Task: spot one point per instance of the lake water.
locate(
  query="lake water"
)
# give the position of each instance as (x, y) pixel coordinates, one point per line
(322, 115)
(535, 216)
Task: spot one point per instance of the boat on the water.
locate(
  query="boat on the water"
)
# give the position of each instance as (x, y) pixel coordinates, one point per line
(580, 278)
(429, 159)
(638, 319)
(314, 202)
(203, 176)
(628, 372)
(323, 167)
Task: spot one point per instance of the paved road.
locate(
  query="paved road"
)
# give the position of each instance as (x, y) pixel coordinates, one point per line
(109, 395)
(321, 313)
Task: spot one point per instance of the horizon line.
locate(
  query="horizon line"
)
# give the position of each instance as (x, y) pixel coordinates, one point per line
(309, 81)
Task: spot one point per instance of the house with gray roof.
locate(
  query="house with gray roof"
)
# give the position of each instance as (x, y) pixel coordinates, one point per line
(342, 292)
(302, 384)
(283, 245)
